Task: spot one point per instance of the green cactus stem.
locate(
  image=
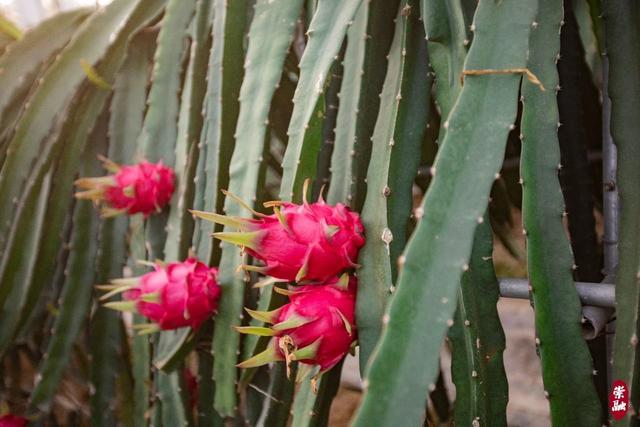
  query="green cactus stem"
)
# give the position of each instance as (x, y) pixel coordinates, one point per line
(405, 362)
(477, 341)
(263, 64)
(566, 364)
(622, 34)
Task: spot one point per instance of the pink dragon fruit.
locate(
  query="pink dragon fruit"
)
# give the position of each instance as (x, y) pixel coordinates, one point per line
(306, 243)
(172, 296)
(10, 420)
(317, 326)
(141, 188)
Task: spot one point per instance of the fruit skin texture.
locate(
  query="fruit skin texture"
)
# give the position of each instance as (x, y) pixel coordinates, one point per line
(177, 295)
(318, 241)
(152, 183)
(141, 188)
(316, 327)
(10, 420)
(309, 243)
(323, 306)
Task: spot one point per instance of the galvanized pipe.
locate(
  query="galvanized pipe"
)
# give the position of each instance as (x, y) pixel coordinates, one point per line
(594, 294)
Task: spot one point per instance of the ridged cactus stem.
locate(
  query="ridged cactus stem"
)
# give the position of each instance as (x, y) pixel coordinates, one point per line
(325, 36)
(622, 34)
(221, 108)
(173, 345)
(477, 341)
(20, 270)
(169, 393)
(378, 38)
(159, 131)
(20, 61)
(331, 107)
(190, 119)
(75, 134)
(106, 325)
(267, 49)
(405, 361)
(54, 91)
(140, 345)
(396, 142)
(447, 41)
(345, 134)
(566, 364)
(76, 296)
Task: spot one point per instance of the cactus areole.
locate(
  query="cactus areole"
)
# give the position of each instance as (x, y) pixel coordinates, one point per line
(141, 188)
(312, 242)
(316, 327)
(172, 296)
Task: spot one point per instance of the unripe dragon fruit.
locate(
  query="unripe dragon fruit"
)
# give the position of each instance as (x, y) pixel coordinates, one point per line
(141, 188)
(10, 420)
(303, 243)
(172, 296)
(317, 326)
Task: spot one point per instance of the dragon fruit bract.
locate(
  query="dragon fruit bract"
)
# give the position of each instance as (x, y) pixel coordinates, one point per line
(141, 188)
(172, 296)
(317, 326)
(309, 242)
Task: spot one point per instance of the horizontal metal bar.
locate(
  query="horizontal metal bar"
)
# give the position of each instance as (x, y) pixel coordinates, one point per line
(596, 294)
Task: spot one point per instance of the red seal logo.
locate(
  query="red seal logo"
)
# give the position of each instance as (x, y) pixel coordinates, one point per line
(619, 400)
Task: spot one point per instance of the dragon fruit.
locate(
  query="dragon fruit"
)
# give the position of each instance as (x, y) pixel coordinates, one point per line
(10, 420)
(141, 188)
(317, 326)
(303, 243)
(172, 296)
